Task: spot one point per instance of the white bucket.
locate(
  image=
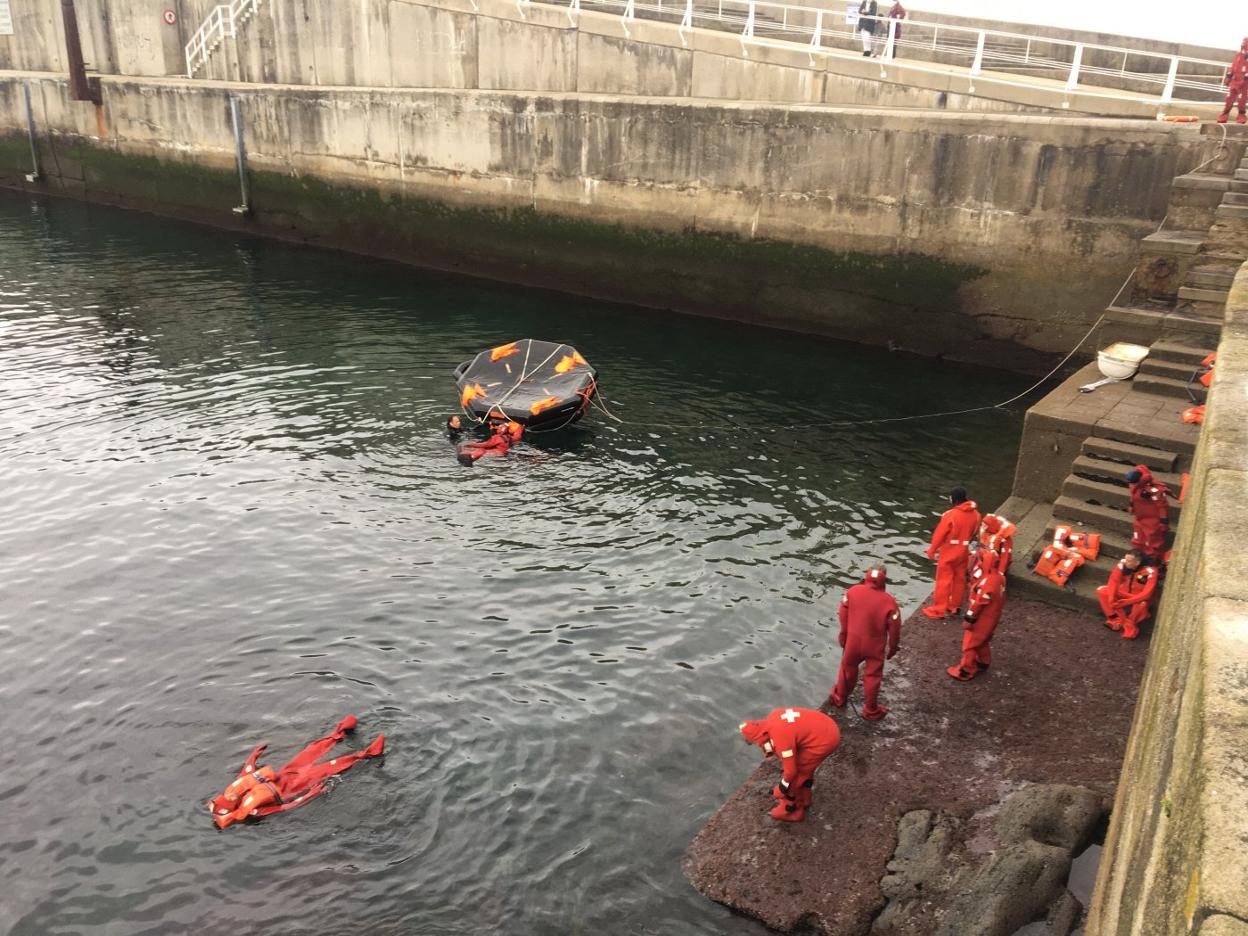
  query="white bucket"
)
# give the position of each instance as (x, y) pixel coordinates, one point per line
(1120, 360)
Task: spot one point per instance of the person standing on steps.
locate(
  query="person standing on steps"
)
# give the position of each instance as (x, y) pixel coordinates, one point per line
(802, 739)
(1150, 511)
(867, 12)
(949, 548)
(1237, 85)
(870, 634)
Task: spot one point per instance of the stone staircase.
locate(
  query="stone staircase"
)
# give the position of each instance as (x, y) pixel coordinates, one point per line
(1094, 498)
(1176, 308)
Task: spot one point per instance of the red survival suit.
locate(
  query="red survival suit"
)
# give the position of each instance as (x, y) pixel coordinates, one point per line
(871, 634)
(1237, 80)
(951, 539)
(262, 791)
(996, 536)
(503, 435)
(1152, 514)
(983, 613)
(1127, 598)
(802, 738)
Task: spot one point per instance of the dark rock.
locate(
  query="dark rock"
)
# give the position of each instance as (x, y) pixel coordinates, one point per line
(1053, 814)
(1064, 915)
(1013, 888)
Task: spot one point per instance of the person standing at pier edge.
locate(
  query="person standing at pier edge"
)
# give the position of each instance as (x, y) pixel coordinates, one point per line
(898, 13)
(867, 13)
(983, 613)
(1237, 83)
(870, 634)
(951, 541)
(802, 739)
(1151, 512)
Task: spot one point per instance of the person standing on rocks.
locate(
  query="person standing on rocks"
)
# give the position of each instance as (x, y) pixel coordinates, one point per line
(950, 547)
(802, 739)
(983, 613)
(870, 634)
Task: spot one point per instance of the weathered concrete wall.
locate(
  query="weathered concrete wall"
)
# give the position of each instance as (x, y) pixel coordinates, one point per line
(494, 46)
(1176, 860)
(948, 233)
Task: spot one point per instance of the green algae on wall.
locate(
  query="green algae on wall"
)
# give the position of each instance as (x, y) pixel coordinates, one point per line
(909, 299)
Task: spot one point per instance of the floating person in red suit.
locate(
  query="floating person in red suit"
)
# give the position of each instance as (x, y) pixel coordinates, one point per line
(802, 739)
(262, 791)
(504, 433)
(870, 634)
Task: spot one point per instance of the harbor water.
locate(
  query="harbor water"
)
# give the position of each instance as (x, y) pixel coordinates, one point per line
(231, 516)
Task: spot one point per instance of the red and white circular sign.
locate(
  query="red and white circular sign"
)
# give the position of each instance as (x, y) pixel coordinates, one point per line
(170, 17)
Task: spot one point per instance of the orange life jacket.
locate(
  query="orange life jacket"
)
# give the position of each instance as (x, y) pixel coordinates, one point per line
(1058, 563)
(1194, 415)
(1207, 377)
(1087, 545)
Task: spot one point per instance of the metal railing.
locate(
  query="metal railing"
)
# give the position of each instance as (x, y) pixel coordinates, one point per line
(1063, 67)
(223, 21)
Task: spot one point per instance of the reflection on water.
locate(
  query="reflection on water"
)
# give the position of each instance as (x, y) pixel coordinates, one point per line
(230, 516)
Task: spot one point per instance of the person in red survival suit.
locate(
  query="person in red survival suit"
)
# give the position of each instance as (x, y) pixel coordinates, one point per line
(1151, 512)
(1127, 598)
(504, 433)
(1237, 82)
(951, 538)
(871, 634)
(802, 739)
(983, 613)
(261, 791)
(996, 537)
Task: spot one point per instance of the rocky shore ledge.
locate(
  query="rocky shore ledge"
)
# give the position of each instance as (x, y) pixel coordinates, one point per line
(958, 813)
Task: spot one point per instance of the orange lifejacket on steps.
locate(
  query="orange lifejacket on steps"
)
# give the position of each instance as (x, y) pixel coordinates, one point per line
(1057, 564)
(1087, 545)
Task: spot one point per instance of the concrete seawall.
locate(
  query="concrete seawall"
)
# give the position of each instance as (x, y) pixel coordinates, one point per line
(1176, 859)
(962, 234)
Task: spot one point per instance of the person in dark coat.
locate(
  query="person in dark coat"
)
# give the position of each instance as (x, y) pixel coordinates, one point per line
(867, 13)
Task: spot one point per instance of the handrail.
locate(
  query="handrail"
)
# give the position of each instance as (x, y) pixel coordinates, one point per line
(221, 22)
(1072, 64)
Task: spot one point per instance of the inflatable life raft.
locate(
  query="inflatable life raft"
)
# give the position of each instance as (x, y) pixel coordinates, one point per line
(539, 384)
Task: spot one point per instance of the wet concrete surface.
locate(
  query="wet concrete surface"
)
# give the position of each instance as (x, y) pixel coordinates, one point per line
(1055, 707)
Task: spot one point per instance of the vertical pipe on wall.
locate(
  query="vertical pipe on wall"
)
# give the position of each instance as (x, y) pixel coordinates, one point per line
(33, 175)
(80, 87)
(240, 154)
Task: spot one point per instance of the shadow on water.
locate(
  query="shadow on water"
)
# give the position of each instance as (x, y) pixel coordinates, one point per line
(231, 516)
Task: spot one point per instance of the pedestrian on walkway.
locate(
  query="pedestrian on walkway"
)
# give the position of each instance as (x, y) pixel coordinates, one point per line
(898, 13)
(867, 14)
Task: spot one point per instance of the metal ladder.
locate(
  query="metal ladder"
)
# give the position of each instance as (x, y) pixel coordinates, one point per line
(223, 21)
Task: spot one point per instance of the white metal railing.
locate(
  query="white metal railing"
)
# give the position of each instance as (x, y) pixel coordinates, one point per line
(1064, 67)
(223, 21)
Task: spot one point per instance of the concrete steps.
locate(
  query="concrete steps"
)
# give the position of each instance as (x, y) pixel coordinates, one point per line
(1175, 370)
(1126, 455)
(1103, 471)
(1113, 495)
(1175, 352)
(1168, 386)
(1227, 212)
(1173, 242)
(1220, 280)
(1079, 594)
(1203, 294)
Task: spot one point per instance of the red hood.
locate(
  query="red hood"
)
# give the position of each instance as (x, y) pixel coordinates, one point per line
(755, 732)
(967, 505)
(1146, 476)
(876, 580)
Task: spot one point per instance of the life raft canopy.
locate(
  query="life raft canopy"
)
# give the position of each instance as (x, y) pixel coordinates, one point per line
(539, 384)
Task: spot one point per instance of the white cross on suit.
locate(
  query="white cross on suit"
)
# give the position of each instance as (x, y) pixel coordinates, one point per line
(791, 716)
